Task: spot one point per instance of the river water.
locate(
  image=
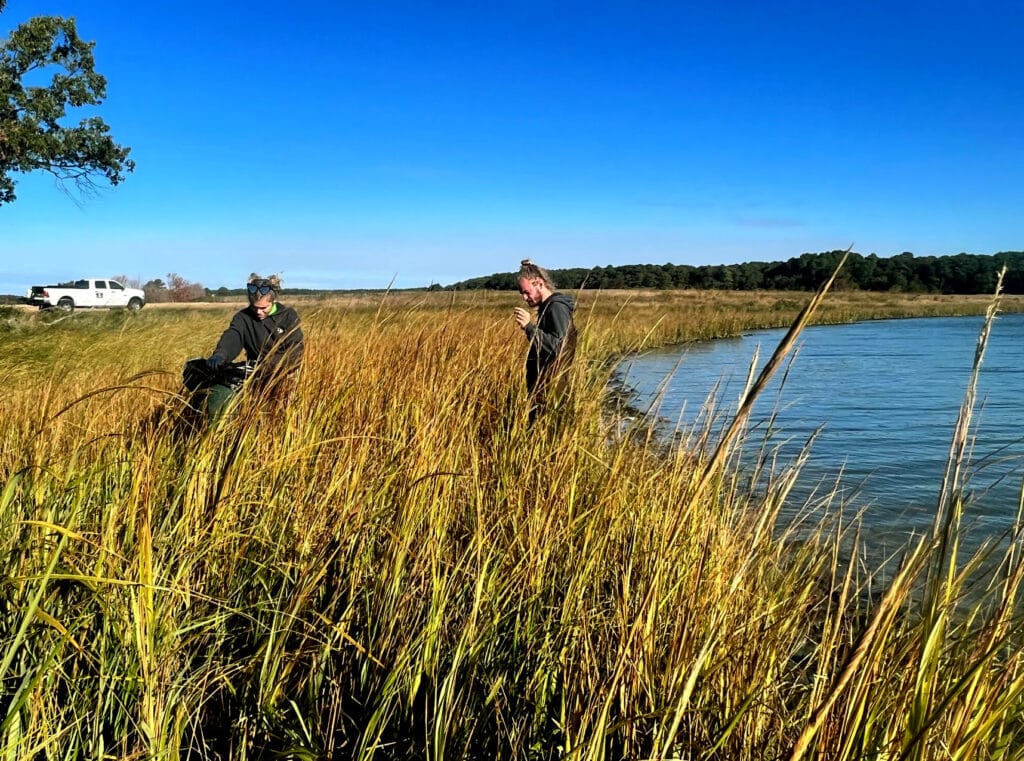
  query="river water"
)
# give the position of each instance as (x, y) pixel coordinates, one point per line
(885, 396)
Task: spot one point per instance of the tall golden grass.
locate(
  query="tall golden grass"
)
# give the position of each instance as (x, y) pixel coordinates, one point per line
(399, 566)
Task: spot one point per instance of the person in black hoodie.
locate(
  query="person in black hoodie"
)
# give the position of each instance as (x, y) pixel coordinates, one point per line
(552, 337)
(271, 336)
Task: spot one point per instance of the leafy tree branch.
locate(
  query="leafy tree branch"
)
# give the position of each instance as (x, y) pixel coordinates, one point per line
(45, 69)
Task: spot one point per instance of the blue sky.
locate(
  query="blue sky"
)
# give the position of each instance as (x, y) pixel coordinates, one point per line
(352, 145)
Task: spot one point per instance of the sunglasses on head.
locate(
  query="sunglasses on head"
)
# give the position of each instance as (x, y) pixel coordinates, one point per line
(262, 288)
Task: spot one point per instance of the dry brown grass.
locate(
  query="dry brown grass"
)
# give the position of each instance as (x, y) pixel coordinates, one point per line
(400, 567)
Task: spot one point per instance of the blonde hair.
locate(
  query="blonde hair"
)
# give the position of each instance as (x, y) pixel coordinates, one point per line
(530, 271)
(274, 281)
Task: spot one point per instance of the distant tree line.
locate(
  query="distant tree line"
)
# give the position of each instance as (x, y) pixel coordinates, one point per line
(175, 289)
(906, 273)
(230, 293)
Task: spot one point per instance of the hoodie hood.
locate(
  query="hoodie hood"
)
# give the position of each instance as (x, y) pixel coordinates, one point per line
(561, 298)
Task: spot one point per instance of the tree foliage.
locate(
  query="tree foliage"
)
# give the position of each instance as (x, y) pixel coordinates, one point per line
(127, 282)
(960, 274)
(156, 291)
(179, 289)
(45, 69)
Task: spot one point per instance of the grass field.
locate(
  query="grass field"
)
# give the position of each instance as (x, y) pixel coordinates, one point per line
(398, 566)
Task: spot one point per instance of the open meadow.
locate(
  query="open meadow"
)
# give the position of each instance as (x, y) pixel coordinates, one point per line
(398, 566)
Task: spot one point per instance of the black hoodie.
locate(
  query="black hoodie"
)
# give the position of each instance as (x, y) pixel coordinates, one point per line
(275, 341)
(552, 340)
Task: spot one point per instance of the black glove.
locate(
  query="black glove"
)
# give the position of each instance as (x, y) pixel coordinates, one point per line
(215, 362)
(196, 374)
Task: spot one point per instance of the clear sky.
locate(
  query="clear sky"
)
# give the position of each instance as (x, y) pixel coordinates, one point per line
(356, 144)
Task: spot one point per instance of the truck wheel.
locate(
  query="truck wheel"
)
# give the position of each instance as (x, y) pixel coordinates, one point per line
(135, 304)
(66, 304)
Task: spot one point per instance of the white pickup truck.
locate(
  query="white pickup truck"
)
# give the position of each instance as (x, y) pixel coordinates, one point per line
(85, 294)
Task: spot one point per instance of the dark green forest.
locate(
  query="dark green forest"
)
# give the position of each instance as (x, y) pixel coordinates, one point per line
(959, 273)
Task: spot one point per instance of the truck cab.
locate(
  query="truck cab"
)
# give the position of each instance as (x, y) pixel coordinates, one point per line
(108, 293)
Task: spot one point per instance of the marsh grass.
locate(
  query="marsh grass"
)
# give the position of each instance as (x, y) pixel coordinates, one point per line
(399, 566)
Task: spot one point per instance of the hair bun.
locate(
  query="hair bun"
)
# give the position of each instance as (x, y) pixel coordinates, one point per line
(273, 280)
(525, 263)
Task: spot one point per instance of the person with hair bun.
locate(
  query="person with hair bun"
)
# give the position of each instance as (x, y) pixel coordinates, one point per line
(552, 338)
(268, 332)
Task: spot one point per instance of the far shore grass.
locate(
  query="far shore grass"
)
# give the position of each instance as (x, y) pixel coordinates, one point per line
(399, 566)
(627, 319)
